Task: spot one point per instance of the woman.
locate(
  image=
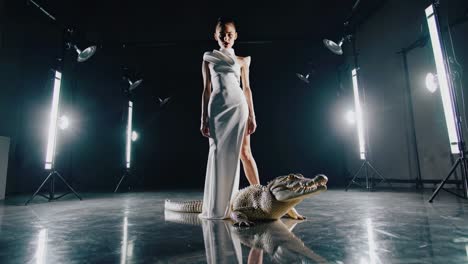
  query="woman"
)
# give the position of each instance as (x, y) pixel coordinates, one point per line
(228, 120)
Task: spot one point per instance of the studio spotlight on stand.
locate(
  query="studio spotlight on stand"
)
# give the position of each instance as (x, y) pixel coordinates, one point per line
(55, 122)
(130, 134)
(358, 117)
(449, 101)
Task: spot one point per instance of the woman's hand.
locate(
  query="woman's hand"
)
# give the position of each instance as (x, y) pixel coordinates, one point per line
(251, 125)
(205, 128)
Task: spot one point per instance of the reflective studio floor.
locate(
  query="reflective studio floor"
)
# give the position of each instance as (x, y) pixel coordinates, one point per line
(341, 227)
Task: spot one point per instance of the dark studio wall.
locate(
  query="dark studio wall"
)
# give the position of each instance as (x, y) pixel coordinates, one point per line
(296, 128)
(393, 149)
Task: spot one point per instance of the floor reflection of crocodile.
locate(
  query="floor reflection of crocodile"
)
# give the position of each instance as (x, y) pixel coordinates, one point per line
(275, 239)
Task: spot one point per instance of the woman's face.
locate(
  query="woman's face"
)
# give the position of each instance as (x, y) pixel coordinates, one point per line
(226, 35)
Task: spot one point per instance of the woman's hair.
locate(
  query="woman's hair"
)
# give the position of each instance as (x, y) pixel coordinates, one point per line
(224, 21)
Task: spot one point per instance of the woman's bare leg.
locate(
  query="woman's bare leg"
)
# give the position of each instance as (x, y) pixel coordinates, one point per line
(248, 162)
(255, 256)
(251, 171)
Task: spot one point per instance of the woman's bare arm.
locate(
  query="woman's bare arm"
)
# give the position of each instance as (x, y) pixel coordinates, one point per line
(205, 98)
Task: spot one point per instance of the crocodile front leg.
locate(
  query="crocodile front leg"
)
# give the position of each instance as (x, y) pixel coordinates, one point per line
(240, 219)
(292, 213)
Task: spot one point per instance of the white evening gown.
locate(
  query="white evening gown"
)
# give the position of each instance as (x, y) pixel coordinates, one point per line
(227, 113)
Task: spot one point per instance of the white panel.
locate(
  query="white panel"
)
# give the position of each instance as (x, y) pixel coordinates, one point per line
(4, 149)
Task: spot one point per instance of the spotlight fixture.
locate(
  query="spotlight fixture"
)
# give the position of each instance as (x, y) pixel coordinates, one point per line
(449, 102)
(350, 117)
(82, 55)
(133, 85)
(134, 136)
(333, 47)
(303, 78)
(337, 47)
(63, 122)
(163, 102)
(54, 123)
(431, 82)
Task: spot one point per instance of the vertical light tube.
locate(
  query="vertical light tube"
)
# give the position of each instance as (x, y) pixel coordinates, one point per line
(443, 77)
(129, 134)
(50, 155)
(359, 117)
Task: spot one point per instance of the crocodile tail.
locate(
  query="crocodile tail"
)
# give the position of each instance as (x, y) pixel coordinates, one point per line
(185, 206)
(182, 218)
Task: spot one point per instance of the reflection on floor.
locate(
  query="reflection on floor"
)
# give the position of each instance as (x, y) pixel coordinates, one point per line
(342, 227)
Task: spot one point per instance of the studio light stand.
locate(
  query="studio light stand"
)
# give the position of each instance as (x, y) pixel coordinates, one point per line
(130, 134)
(53, 126)
(450, 103)
(366, 166)
(51, 146)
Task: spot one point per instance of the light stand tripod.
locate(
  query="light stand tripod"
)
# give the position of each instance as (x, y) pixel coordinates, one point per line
(366, 165)
(462, 159)
(51, 196)
(124, 175)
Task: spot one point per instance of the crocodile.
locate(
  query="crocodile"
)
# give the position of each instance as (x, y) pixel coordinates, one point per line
(260, 203)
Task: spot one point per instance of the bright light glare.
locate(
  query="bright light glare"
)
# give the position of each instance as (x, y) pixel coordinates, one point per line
(129, 133)
(123, 250)
(53, 121)
(360, 121)
(431, 82)
(443, 79)
(134, 136)
(350, 116)
(41, 251)
(64, 122)
(373, 257)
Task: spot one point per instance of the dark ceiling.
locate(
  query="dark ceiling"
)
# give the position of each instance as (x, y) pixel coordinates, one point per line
(186, 21)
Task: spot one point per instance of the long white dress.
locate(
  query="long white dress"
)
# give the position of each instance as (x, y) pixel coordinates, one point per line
(227, 113)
